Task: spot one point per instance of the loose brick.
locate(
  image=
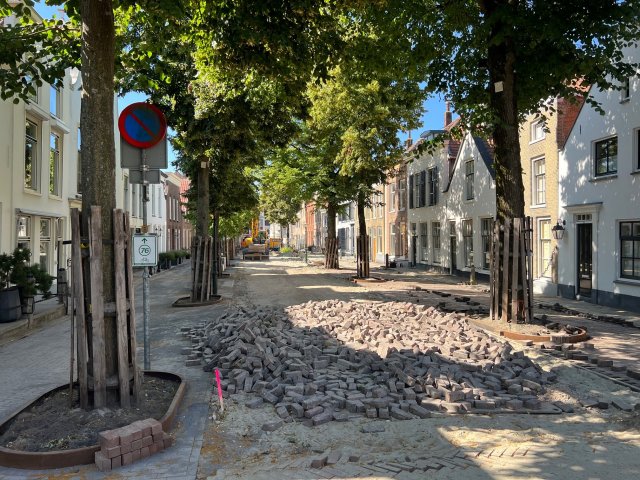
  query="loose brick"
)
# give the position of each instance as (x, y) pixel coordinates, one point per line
(108, 438)
(136, 445)
(111, 451)
(146, 441)
(127, 458)
(324, 417)
(135, 455)
(144, 452)
(419, 411)
(399, 414)
(116, 462)
(102, 462)
(272, 426)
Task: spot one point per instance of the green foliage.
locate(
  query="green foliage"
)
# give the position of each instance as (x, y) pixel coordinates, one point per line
(235, 224)
(15, 270)
(33, 52)
(286, 250)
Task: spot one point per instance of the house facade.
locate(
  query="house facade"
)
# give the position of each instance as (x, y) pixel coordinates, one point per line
(541, 141)
(345, 226)
(599, 190)
(375, 220)
(395, 195)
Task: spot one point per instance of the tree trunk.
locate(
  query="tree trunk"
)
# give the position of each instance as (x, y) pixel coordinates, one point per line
(501, 60)
(202, 203)
(216, 254)
(362, 256)
(98, 148)
(332, 259)
(504, 105)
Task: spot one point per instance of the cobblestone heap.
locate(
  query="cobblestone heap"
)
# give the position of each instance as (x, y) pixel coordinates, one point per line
(327, 361)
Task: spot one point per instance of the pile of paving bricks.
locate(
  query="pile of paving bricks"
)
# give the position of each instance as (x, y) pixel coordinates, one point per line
(125, 445)
(326, 361)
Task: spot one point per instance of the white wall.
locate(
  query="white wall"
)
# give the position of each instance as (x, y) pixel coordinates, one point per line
(609, 199)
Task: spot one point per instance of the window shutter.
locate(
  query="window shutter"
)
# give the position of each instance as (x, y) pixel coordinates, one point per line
(435, 185)
(410, 191)
(423, 188)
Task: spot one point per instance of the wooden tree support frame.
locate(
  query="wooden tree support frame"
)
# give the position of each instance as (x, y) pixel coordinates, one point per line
(332, 259)
(511, 285)
(201, 268)
(362, 254)
(90, 310)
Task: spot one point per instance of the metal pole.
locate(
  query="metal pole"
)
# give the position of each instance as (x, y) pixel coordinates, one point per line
(145, 270)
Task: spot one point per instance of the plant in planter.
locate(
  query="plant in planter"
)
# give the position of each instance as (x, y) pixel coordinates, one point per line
(19, 283)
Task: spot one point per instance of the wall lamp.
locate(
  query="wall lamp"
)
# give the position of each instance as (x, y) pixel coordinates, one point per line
(558, 230)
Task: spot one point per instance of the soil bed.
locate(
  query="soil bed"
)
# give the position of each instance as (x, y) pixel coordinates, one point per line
(50, 424)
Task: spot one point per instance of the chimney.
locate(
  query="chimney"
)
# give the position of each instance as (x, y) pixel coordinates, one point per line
(447, 114)
(408, 142)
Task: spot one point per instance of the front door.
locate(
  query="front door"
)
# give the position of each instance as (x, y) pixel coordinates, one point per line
(585, 255)
(453, 244)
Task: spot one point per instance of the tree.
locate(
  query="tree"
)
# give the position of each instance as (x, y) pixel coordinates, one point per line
(355, 120)
(282, 189)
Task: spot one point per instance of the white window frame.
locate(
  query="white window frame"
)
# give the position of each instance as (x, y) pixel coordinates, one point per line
(536, 131)
(55, 158)
(595, 157)
(535, 176)
(544, 264)
(436, 233)
(469, 180)
(55, 102)
(34, 185)
(392, 196)
(402, 200)
(467, 241)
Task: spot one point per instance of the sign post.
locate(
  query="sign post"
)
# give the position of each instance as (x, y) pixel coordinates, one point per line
(143, 126)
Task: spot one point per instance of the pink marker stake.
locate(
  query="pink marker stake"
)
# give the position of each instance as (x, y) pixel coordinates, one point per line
(219, 390)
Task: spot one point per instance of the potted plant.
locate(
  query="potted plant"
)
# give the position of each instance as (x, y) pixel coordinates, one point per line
(10, 306)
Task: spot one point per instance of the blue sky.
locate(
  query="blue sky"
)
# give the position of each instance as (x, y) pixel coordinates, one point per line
(432, 119)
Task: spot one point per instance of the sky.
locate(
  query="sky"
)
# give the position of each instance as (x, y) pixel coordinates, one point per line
(432, 119)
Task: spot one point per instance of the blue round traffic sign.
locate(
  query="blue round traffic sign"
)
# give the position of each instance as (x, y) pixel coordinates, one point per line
(142, 125)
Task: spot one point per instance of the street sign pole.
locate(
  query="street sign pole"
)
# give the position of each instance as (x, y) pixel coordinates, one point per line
(145, 270)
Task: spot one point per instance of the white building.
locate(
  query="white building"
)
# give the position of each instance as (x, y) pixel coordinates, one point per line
(452, 206)
(345, 226)
(599, 182)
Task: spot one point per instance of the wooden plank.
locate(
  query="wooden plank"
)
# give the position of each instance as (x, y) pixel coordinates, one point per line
(78, 302)
(121, 307)
(131, 305)
(97, 312)
(505, 270)
(210, 252)
(202, 262)
(524, 258)
(495, 302)
(196, 247)
(528, 298)
(515, 269)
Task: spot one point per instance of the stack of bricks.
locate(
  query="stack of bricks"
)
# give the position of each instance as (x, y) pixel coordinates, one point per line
(127, 444)
(333, 360)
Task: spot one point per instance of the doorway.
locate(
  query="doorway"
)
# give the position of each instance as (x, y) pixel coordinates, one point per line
(585, 257)
(453, 244)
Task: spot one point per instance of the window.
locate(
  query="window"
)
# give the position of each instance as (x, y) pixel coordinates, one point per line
(467, 241)
(392, 239)
(423, 189)
(33, 96)
(55, 102)
(435, 241)
(606, 154)
(537, 130)
(379, 242)
(392, 196)
(24, 232)
(402, 201)
(55, 164)
(31, 170)
(486, 227)
(45, 242)
(625, 93)
(79, 179)
(433, 186)
(630, 250)
(468, 175)
(544, 248)
(539, 182)
(380, 204)
(411, 204)
(423, 242)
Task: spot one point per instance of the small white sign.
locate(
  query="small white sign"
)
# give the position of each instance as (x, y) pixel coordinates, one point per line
(145, 250)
